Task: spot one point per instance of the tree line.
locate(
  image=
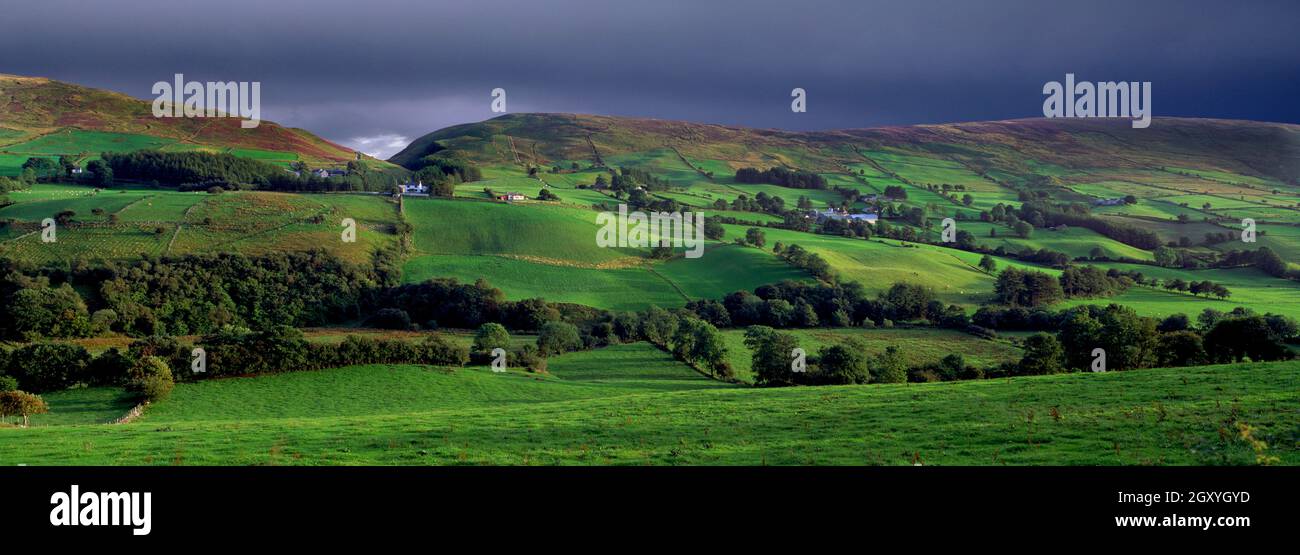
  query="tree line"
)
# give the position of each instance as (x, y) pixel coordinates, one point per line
(794, 179)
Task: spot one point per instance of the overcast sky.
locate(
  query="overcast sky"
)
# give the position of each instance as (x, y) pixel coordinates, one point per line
(376, 74)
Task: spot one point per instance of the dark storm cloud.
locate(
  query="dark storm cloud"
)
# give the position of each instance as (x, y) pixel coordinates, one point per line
(384, 69)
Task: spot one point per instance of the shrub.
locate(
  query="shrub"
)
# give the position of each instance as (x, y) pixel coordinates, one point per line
(21, 403)
(491, 336)
(441, 351)
(102, 320)
(528, 358)
(151, 378)
(166, 347)
(557, 337)
(8, 383)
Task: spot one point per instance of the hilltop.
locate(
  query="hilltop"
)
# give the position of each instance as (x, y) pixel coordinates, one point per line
(1015, 149)
(44, 117)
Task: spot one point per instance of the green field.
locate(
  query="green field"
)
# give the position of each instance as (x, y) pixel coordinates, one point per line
(249, 222)
(720, 270)
(916, 345)
(1250, 288)
(631, 405)
(76, 142)
(537, 230)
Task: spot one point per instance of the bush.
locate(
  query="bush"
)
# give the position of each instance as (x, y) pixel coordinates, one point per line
(166, 347)
(557, 337)
(151, 378)
(441, 351)
(528, 358)
(8, 383)
(491, 336)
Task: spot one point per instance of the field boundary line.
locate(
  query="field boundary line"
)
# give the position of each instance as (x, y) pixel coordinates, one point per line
(670, 283)
(132, 414)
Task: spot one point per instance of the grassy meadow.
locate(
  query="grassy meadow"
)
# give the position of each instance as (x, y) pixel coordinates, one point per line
(630, 405)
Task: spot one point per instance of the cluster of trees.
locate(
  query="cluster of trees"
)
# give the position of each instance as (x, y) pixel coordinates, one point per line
(447, 302)
(800, 257)
(794, 179)
(1041, 213)
(773, 357)
(793, 304)
(1131, 341)
(773, 362)
(680, 332)
(754, 237)
(35, 169)
(1198, 288)
(441, 172)
(206, 170)
(1030, 288)
(762, 202)
(1263, 258)
(1090, 282)
(849, 228)
(152, 364)
(193, 294)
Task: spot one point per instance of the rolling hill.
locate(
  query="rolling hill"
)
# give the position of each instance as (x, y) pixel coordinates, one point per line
(44, 117)
(1186, 178)
(979, 154)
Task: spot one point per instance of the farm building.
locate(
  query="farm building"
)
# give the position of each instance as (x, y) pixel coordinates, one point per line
(832, 214)
(511, 196)
(414, 188)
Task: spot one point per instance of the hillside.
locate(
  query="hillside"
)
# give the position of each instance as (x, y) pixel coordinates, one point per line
(1188, 180)
(1012, 150)
(633, 405)
(44, 117)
